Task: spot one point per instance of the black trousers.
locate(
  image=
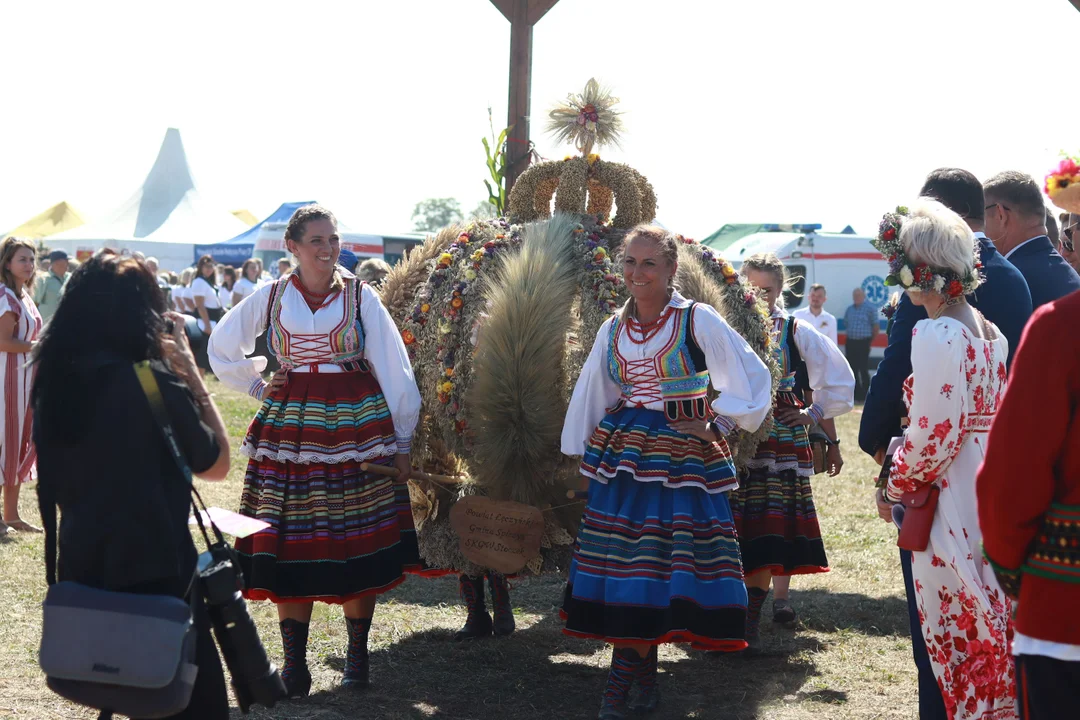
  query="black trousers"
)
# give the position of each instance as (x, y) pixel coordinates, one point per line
(1047, 688)
(858, 356)
(931, 704)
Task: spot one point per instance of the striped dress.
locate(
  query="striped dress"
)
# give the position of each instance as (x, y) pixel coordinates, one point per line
(656, 559)
(336, 532)
(774, 505)
(17, 453)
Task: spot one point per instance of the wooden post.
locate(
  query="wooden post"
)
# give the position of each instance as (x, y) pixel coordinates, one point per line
(523, 15)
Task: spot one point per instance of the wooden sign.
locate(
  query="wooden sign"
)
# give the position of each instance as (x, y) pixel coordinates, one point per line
(497, 534)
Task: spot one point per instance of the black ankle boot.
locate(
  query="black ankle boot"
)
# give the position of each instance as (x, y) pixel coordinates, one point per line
(649, 688)
(295, 673)
(356, 664)
(478, 623)
(624, 667)
(755, 600)
(500, 602)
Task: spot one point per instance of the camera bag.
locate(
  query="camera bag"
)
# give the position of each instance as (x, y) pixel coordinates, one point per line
(126, 653)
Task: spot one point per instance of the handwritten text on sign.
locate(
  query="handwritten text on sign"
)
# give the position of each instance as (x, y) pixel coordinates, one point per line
(497, 534)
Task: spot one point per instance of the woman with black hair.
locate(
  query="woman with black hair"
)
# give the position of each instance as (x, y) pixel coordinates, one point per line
(103, 458)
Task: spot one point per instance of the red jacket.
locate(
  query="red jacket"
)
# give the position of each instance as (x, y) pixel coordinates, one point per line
(1029, 484)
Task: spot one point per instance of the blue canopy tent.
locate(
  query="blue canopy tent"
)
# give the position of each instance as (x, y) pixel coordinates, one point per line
(238, 249)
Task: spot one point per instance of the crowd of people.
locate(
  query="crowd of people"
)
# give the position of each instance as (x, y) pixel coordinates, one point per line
(977, 389)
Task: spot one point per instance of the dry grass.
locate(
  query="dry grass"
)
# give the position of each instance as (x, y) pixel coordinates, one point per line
(851, 658)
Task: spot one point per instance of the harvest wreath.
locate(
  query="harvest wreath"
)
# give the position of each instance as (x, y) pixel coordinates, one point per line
(498, 317)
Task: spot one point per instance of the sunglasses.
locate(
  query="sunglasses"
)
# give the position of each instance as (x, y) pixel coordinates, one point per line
(1067, 241)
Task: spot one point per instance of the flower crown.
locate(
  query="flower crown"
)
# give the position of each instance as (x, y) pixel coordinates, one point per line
(919, 277)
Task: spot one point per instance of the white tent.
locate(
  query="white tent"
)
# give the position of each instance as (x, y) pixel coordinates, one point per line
(165, 218)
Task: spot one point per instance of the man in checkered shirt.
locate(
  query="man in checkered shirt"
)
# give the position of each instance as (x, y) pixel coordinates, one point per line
(862, 324)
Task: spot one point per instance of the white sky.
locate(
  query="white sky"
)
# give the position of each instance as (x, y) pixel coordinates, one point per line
(772, 111)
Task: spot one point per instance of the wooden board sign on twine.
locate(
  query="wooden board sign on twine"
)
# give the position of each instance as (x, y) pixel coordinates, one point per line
(497, 534)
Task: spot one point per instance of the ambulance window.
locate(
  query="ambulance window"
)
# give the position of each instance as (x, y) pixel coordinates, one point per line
(794, 296)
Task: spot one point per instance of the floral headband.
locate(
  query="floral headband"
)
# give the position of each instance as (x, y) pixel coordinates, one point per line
(919, 277)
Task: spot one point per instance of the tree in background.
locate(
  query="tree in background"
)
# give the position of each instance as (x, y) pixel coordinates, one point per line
(436, 213)
(484, 210)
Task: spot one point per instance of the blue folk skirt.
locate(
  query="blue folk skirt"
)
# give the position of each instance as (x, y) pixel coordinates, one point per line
(657, 557)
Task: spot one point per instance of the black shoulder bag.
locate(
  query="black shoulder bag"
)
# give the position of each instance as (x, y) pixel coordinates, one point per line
(125, 653)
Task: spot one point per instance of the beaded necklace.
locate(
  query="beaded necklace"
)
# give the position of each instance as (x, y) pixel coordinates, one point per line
(646, 331)
(314, 300)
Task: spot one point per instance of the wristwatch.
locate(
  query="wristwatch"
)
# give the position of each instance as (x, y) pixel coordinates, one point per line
(832, 442)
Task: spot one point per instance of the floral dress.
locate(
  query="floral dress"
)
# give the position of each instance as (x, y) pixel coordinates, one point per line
(952, 395)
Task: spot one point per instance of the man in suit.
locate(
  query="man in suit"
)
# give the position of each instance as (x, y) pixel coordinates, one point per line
(1016, 222)
(1005, 301)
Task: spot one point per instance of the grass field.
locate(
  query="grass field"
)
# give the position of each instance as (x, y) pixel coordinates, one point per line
(850, 659)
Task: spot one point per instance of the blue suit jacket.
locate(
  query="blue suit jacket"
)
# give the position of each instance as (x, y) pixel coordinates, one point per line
(1005, 301)
(1048, 276)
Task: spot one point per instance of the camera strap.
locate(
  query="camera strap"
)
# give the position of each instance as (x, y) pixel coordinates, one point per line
(161, 415)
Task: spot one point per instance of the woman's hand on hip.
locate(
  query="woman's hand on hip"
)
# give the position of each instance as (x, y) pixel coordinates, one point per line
(697, 428)
(403, 463)
(791, 417)
(281, 376)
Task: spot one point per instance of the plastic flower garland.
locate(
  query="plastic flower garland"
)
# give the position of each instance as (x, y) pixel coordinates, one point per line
(919, 277)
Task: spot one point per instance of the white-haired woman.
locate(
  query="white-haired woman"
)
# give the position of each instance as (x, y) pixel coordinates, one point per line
(958, 374)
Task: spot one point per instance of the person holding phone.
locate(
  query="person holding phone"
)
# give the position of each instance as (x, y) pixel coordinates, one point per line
(125, 504)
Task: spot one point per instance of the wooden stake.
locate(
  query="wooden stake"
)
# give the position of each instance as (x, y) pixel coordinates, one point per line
(444, 480)
(523, 15)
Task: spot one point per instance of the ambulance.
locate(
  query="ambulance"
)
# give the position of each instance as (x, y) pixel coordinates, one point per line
(839, 261)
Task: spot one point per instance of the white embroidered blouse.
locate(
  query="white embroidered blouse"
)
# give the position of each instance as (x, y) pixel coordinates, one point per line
(735, 371)
(315, 342)
(830, 375)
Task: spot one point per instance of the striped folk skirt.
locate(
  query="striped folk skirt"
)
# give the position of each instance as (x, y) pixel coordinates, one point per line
(774, 506)
(336, 533)
(655, 562)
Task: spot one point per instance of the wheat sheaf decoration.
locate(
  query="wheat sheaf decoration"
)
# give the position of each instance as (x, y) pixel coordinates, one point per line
(587, 118)
(584, 184)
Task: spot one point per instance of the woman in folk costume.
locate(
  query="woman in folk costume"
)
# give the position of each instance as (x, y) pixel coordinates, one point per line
(656, 559)
(20, 325)
(958, 374)
(774, 505)
(345, 395)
